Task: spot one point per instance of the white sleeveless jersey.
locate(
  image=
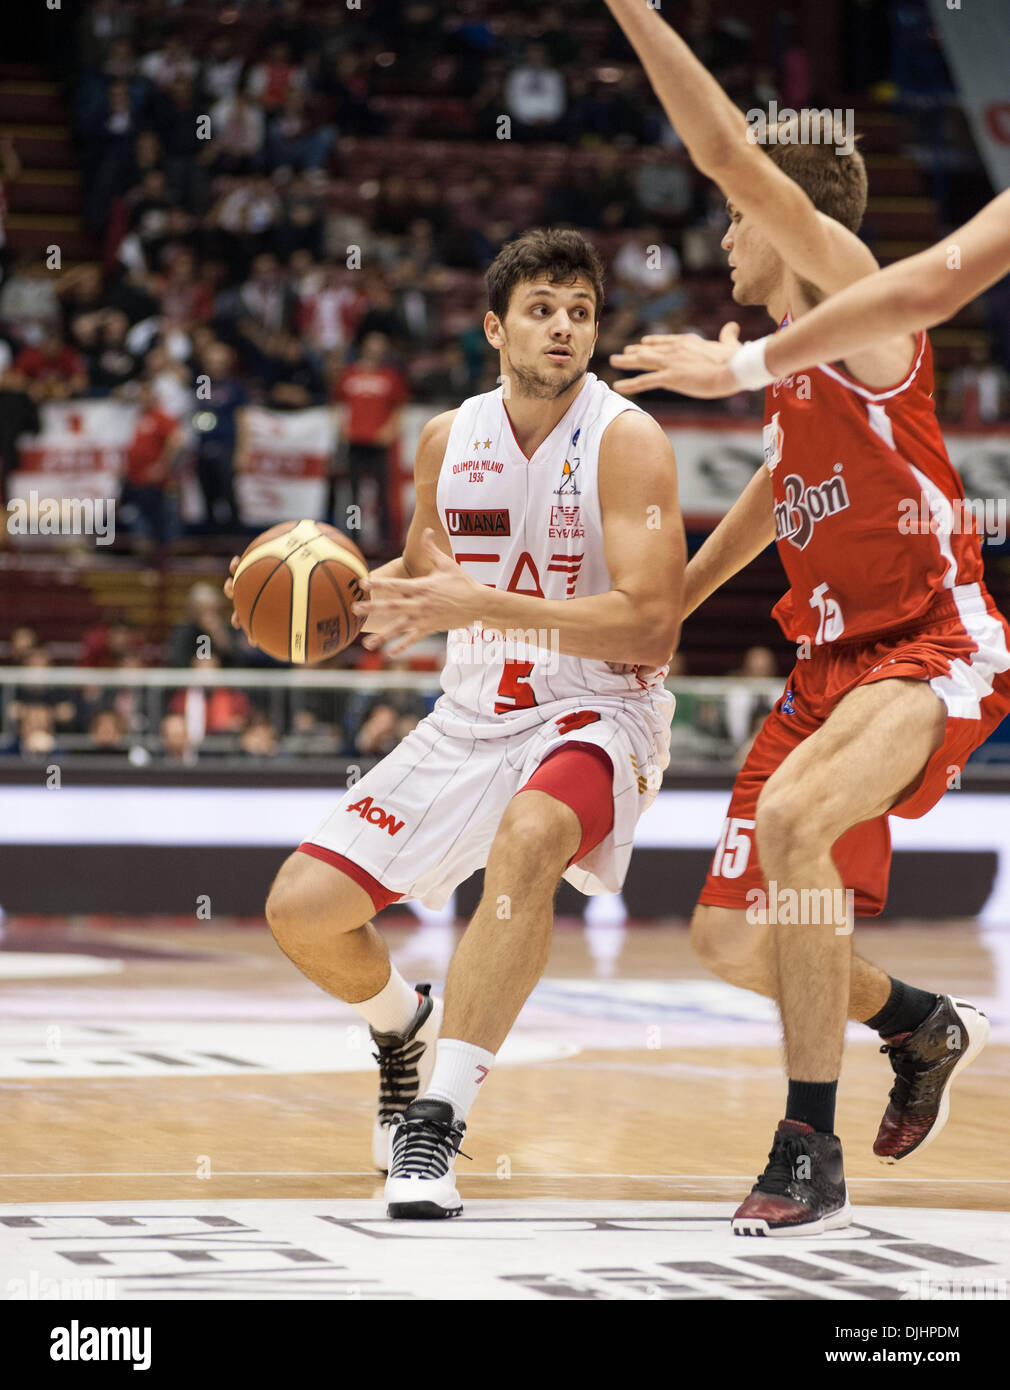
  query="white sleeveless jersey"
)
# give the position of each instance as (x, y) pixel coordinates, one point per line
(532, 526)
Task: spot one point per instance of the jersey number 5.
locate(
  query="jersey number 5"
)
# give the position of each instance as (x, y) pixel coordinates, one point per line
(512, 694)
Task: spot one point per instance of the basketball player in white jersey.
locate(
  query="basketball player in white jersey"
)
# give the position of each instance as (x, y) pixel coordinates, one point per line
(547, 540)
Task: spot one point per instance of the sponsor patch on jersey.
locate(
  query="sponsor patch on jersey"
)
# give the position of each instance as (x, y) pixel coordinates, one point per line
(802, 507)
(569, 485)
(789, 703)
(773, 437)
(477, 521)
(566, 523)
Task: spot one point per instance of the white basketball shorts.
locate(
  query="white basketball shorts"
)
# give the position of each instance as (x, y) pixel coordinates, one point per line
(423, 819)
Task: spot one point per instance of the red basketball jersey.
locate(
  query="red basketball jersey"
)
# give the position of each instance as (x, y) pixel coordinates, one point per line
(869, 511)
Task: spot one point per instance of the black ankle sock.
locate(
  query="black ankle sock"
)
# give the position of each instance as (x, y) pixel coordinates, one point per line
(813, 1102)
(905, 1009)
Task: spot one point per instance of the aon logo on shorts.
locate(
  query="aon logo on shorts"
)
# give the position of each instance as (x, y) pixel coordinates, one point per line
(375, 815)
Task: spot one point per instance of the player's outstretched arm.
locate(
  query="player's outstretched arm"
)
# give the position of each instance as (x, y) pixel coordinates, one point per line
(916, 293)
(746, 529)
(715, 133)
(635, 623)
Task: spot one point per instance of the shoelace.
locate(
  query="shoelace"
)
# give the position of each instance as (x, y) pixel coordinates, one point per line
(906, 1069)
(781, 1170)
(425, 1147)
(398, 1080)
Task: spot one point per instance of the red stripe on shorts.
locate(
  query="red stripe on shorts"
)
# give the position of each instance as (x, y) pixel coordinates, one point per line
(582, 776)
(380, 896)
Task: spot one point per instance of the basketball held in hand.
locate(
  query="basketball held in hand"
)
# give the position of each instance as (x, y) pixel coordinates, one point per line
(293, 591)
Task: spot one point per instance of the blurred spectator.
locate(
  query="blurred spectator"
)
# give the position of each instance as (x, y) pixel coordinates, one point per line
(210, 710)
(979, 392)
(238, 128)
(206, 617)
(664, 187)
(146, 495)
(328, 310)
(221, 70)
(378, 733)
(746, 710)
(259, 738)
(215, 430)
(301, 228)
(289, 378)
(19, 415)
(176, 745)
(183, 296)
(168, 63)
(535, 96)
(29, 305)
(293, 140)
(111, 365)
(35, 736)
(108, 732)
(109, 644)
(271, 81)
(22, 641)
(346, 89)
(267, 303)
(374, 393)
(647, 274)
(52, 371)
(54, 698)
(171, 385)
(382, 314)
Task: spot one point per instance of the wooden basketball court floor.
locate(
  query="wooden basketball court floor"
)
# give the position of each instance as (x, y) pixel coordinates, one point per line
(184, 1115)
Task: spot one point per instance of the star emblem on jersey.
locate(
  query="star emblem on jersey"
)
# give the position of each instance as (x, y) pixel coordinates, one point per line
(486, 444)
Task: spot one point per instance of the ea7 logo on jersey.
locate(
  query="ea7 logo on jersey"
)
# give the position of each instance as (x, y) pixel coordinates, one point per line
(566, 522)
(472, 521)
(802, 507)
(375, 815)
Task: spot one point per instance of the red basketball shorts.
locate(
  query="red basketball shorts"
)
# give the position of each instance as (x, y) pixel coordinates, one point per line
(965, 656)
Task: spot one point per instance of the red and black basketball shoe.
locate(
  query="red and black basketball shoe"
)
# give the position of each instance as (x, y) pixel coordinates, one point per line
(925, 1063)
(802, 1190)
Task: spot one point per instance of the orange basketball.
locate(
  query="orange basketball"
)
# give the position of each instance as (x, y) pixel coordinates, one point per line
(294, 587)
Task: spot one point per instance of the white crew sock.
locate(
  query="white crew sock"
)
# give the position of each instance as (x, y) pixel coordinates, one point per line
(459, 1069)
(391, 1010)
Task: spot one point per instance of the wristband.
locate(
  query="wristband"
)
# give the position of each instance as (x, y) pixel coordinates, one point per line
(748, 365)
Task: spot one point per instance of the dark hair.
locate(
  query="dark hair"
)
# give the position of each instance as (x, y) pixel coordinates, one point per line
(833, 180)
(562, 257)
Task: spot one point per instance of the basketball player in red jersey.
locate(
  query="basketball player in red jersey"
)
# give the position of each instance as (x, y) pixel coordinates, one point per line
(904, 662)
(918, 292)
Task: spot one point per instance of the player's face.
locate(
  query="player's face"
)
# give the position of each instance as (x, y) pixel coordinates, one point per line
(547, 337)
(756, 269)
